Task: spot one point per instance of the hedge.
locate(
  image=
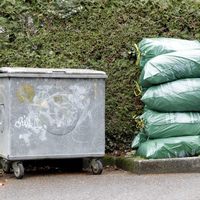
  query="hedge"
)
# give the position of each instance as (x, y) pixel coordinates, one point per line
(95, 34)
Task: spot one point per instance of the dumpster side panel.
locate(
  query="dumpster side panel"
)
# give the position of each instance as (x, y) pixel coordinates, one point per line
(57, 118)
(4, 117)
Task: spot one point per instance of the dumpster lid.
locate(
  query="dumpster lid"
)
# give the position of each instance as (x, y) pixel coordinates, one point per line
(50, 71)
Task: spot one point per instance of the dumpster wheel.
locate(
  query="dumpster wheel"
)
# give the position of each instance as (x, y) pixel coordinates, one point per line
(6, 165)
(18, 170)
(6, 168)
(97, 167)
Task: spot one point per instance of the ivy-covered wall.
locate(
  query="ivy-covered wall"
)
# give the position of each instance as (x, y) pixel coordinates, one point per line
(95, 34)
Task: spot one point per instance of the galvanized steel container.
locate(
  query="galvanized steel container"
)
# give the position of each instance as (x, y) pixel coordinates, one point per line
(51, 113)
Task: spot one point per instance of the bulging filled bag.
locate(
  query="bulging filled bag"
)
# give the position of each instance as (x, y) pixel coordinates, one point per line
(170, 67)
(139, 139)
(173, 147)
(151, 47)
(173, 124)
(180, 95)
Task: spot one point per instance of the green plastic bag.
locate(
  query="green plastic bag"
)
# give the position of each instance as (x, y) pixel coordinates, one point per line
(139, 139)
(173, 124)
(170, 67)
(173, 147)
(180, 95)
(151, 47)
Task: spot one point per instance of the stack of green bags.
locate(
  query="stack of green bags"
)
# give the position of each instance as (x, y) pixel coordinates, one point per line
(170, 80)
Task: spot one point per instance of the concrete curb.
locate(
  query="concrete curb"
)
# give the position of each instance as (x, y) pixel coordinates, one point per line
(155, 166)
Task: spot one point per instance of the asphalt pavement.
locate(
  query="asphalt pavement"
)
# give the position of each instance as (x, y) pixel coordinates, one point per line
(57, 184)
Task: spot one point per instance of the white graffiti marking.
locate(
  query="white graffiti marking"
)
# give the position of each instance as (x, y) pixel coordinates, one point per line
(32, 123)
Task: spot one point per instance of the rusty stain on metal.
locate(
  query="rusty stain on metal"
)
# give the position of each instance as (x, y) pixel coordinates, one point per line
(2, 86)
(95, 90)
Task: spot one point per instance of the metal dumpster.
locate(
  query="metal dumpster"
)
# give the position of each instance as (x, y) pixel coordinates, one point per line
(51, 114)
